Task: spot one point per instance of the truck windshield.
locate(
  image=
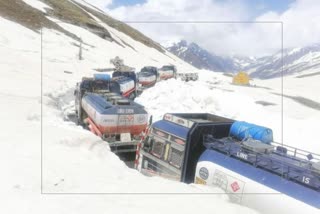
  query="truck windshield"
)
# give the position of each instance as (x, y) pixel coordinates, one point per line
(148, 68)
(100, 85)
(167, 68)
(168, 147)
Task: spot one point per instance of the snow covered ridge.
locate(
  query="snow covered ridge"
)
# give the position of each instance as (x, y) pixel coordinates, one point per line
(295, 60)
(35, 14)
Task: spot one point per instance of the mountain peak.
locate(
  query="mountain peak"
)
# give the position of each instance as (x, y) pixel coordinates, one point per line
(200, 58)
(183, 43)
(295, 60)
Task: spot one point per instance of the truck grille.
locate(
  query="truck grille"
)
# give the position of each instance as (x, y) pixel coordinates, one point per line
(175, 157)
(157, 148)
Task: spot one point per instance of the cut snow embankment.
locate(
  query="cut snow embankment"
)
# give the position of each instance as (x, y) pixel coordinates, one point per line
(61, 157)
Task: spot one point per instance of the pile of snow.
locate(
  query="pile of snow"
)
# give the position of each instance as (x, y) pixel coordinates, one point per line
(214, 93)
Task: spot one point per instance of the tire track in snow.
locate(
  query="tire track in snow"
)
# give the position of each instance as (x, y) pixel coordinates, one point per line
(302, 100)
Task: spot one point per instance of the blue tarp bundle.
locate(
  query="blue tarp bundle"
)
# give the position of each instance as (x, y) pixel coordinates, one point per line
(242, 130)
(101, 76)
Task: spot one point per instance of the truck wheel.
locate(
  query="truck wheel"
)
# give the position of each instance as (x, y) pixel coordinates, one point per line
(80, 118)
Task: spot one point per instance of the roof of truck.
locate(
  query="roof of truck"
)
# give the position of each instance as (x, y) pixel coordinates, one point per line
(174, 129)
(188, 119)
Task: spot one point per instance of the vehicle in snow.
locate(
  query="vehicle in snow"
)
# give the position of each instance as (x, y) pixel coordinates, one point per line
(188, 76)
(127, 86)
(126, 77)
(114, 118)
(148, 76)
(167, 72)
(239, 157)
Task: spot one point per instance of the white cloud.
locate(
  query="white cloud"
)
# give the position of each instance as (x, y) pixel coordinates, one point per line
(300, 24)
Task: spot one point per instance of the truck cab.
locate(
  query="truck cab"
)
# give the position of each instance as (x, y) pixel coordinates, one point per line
(239, 157)
(173, 145)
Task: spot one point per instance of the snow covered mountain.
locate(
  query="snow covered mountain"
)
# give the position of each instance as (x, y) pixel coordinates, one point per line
(201, 58)
(295, 61)
(76, 12)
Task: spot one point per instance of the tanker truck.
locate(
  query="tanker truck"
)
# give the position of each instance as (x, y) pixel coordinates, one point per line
(127, 86)
(124, 75)
(123, 83)
(127, 79)
(167, 72)
(148, 76)
(108, 114)
(236, 156)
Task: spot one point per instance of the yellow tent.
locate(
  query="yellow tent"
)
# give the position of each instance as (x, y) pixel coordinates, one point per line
(241, 78)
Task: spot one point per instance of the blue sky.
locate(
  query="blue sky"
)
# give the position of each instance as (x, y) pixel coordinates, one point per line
(261, 6)
(118, 3)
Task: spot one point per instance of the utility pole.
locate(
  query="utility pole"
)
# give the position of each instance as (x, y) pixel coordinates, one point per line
(80, 50)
